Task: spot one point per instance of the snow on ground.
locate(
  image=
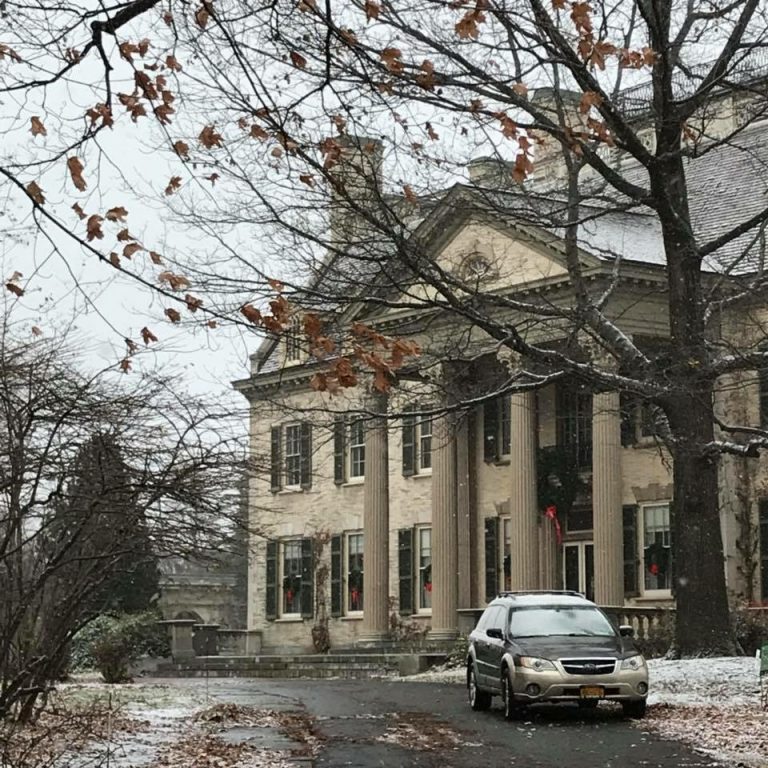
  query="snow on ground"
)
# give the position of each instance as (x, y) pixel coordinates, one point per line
(711, 704)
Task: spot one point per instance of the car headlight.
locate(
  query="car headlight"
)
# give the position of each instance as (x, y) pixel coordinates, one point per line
(633, 662)
(535, 663)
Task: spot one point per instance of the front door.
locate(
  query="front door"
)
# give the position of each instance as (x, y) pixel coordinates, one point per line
(579, 568)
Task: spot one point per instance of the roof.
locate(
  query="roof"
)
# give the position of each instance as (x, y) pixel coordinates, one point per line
(543, 599)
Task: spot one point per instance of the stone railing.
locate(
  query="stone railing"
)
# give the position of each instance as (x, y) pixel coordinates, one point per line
(643, 619)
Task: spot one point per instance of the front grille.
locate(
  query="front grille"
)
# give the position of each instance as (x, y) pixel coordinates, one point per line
(589, 666)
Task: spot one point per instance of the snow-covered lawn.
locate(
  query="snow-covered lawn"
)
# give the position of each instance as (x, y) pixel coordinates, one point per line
(711, 704)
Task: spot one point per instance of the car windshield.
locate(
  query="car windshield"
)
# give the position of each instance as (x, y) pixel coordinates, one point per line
(563, 620)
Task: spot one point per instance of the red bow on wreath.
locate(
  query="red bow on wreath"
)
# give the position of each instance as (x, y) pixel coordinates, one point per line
(428, 586)
(355, 595)
(654, 569)
(289, 595)
(551, 513)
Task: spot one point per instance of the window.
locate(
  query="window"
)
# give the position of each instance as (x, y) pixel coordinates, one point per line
(291, 456)
(638, 420)
(497, 440)
(291, 586)
(417, 443)
(348, 450)
(357, 449)
(424, 561)
(655, 548)
(289, 583)
(355, 572)
(293, 341)
(574, 424)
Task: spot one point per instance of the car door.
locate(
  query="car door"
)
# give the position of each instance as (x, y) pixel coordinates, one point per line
(483, 648)
(496, 646)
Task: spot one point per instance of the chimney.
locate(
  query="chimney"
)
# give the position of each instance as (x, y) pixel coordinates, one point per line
(559, 105)
(490, 172)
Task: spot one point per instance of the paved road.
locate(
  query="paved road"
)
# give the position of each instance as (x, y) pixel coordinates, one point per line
(369, 723)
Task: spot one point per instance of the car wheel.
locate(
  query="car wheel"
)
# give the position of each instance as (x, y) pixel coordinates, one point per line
(478, 700)
(634, 709)
(512, 709)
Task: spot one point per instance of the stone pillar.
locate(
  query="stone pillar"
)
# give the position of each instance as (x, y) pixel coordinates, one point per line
(465, 520)
(606, 499)
(444, 530)
(524, 516)
(376, 528)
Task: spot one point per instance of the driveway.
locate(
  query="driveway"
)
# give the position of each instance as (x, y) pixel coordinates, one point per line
(367, 723)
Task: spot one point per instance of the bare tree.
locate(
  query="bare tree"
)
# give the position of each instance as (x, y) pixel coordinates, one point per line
(64, 536)
(598, 111)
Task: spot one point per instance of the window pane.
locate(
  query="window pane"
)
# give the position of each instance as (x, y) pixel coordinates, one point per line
(292, 577)
(425, 443)
(505, 425)
(357, 449)
(293, 454)
(657, 560)
(425, 567)
(355, 572)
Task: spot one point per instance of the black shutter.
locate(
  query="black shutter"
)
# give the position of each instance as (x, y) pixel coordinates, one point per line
(405, 570)
(631, 586)
(276, 474)
(628, 419)
(409, 443)
(337, 575)
(307, 579)
(491, 558)
(491, 431)
(339, 452)
(305, 464)
(271, 581)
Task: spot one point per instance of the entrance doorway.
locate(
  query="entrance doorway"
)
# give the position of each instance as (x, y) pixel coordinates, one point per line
(579, 567)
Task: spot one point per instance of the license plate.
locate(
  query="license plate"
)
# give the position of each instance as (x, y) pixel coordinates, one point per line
(592, 692)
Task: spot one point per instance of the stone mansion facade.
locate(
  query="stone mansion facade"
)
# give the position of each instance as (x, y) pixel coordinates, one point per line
(387, 516)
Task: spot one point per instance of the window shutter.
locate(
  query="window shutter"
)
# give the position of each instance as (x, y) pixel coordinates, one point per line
(491, 558)
(339, 452)
(631, 585)
(628, 411)
(409, 443)
(491, 431)
(271, 581)
(305, 465)
(307, 580)
(337, 575)
(405, 570)
(276, 474)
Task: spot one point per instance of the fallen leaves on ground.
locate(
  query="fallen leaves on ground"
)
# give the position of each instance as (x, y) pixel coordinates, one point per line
(420, 732)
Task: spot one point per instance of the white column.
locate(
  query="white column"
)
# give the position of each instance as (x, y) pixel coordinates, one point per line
(444, 530)
(376, 529)
(606, 499)
(522, 502)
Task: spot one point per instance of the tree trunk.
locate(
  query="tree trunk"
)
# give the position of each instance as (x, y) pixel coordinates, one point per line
(702, 626)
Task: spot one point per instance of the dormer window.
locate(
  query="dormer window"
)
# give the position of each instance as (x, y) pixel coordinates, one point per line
(293, 341)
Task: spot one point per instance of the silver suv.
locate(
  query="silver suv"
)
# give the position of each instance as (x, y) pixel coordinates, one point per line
(531, 647)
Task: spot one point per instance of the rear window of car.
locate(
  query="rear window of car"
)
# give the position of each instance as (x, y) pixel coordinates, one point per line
(560, 620)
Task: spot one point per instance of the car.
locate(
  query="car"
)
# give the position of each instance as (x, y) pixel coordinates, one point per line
(553, 646)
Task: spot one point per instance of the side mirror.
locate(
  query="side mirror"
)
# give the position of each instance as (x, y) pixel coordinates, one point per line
(626, 630)
(495, 632)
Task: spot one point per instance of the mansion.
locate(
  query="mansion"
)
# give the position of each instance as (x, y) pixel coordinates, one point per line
(384, 516)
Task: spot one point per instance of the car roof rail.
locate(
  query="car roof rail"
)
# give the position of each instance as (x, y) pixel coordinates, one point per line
(516, 593)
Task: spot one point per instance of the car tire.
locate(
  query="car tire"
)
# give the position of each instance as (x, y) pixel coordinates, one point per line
(634, 709)
(479, 700)
(512, 709)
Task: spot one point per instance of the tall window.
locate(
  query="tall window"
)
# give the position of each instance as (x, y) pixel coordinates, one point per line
(497, 439)
(292, 577)
(425, 443)
(574, 423)
(293, 340)
(357, 449)
(417, 443)
(293, 455)
(656, 548)
(424, 560)
(355, 572)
